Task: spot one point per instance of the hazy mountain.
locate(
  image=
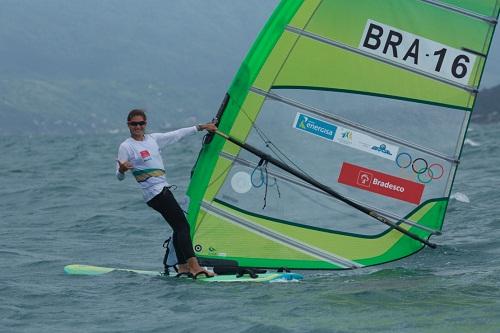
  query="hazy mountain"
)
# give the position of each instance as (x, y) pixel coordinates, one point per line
(487, 108)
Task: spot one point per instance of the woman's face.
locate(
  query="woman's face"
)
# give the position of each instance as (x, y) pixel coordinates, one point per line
(137, 126)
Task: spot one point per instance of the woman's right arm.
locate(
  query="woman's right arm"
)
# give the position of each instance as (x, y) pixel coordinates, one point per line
(122, 163)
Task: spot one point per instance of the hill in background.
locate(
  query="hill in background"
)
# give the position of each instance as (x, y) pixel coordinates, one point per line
(487, 108)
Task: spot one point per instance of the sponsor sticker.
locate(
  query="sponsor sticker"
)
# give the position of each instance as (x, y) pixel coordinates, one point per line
(345, 136)
(315, 126)
(365, 143)
(417, 52)
(145, 155)
(381, 183)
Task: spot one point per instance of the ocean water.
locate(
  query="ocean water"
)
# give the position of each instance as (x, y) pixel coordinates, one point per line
(60, 204)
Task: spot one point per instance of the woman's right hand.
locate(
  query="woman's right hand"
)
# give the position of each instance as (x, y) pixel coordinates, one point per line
(124, 166)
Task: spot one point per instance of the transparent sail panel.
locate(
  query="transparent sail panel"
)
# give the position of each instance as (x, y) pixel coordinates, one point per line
(288, 202)
(399, 177)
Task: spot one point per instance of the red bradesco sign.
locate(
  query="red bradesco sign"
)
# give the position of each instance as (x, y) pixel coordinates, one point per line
(381, 183)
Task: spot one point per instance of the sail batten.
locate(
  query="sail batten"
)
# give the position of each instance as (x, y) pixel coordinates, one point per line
(488, 19)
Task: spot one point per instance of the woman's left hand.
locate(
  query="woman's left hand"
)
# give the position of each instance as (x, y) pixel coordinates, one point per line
(209, 127)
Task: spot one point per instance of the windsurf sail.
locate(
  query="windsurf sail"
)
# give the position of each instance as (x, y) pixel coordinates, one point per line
(341, 133)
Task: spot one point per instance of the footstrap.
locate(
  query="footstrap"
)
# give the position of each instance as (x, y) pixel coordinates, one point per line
(166, 266)
(201, 273)
(186, 274)
(248, 271)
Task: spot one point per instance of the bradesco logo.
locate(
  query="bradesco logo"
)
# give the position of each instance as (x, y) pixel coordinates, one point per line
(315, 126)
(381, 183)
(364, 179)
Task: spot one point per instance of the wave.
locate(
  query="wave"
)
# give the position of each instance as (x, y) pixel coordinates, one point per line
(462, 197)
(471, 143)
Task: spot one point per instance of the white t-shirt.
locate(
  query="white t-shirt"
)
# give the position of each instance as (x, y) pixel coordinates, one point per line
(145, 156)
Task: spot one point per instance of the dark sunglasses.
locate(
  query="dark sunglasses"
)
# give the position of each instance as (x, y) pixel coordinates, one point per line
(136, 123)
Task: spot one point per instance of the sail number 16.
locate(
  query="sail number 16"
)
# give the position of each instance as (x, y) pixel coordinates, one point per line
(459, 67)
(422, 54)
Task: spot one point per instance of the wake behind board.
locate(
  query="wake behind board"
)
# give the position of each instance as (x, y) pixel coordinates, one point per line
(76, 269)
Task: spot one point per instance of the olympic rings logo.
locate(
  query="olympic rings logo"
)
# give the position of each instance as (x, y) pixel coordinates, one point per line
(425, 172)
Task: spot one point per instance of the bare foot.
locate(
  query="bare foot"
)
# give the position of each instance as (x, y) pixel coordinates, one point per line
(195, 268)
(203, 272)
(183, 268)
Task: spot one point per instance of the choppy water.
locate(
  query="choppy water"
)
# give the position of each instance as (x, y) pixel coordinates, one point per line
(60, 204)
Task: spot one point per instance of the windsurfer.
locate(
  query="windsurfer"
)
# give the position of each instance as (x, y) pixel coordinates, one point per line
(141, 154)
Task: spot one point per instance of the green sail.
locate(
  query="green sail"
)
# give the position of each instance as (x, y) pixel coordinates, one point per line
(372, 99)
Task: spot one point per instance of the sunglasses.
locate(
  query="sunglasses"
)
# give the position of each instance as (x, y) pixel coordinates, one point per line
(136, 123)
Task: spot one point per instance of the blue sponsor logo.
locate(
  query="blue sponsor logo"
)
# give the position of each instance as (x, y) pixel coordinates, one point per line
(315, 126)
(383, 149)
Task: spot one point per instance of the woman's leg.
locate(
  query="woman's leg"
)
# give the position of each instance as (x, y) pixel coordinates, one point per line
(168, 207)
